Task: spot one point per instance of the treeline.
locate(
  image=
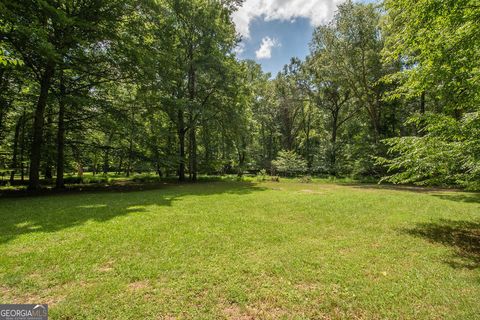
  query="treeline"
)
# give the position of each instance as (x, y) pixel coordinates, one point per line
(142, 86)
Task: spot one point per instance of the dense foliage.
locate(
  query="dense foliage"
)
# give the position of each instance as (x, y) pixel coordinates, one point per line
(142, 86)
(439, 42)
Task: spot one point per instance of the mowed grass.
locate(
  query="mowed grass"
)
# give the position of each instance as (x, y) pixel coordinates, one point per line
(244, 250)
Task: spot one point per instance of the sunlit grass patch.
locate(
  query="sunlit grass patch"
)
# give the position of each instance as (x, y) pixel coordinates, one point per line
(244, 250)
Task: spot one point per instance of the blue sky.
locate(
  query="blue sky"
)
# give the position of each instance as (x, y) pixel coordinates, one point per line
(292, 41)
(273, 31)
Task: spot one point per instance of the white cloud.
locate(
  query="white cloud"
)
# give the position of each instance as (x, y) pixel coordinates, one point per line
(239, 48)
(317, 11)
(265, 50)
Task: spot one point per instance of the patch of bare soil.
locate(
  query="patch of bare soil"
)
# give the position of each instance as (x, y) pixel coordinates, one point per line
(138, 285)
(309, 191)
(233, 312)
(107, 266)
(253, 312)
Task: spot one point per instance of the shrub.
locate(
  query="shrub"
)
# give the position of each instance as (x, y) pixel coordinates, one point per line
(306, 179)
(448, 154)
(262, 175)
(289, 163)
(85, 180)
(94, 180)
(145, 178)
(72, 180)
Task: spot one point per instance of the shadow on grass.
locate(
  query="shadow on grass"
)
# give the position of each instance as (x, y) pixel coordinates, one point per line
(448, 194)
(397, 187)
(20, 216)
(460, 197)
(462, 236)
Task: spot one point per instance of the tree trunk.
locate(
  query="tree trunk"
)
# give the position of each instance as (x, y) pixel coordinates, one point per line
(193, 154)
(15, 148)
(106, 155)
(22, 148)
(181, 165)
(157, 163)
(206, 145)
(3, 111)
(4, 105)
(120, 164)
(422, 113)
(48, 142)
(78, 160)
(59, 183)
(106, 161)
(36, 148)
(129, 163)
(241, 161)
(422, 103)
(333, 154)
(193, 133)
(130, 144)
(307, 141)
(181, 145)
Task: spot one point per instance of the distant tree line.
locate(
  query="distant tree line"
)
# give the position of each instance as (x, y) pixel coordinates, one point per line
(390, 92)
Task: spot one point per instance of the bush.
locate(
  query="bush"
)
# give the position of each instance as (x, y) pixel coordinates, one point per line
(95, 180)
(448, 154)
(72, 180)
(145, 178)
(289, 163)
(306, 179)
(262, 175)
(275, 178)
(85, 180)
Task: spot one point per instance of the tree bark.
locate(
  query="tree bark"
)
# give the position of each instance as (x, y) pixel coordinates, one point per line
(4, 105)
(106, 161)
(48, 154)
(193, 154)
(130, 144)
(129, 162)
(193, 133)
(422, 103)
(157, 163)
(59, 183)
(22, 148)
(3, 111)
(181, 145)
(15, 149)
(333, 154)
(78, 160)
(307, 140)
(36, 148)
(422, 113)
(120, 164)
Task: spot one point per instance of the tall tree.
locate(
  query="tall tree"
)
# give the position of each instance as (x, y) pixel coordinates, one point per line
(43, 33)
(439, 44)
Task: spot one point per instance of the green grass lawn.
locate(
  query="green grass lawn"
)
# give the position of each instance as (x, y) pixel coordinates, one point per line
(244, 250)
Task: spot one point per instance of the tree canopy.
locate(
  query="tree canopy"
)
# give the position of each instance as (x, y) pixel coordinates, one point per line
(387, 91)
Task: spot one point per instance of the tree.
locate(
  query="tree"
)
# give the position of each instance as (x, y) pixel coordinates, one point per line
(352, 44)
(289, 163)
(155, 86)
(333, 97)
(43, 34)
(439, 46)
